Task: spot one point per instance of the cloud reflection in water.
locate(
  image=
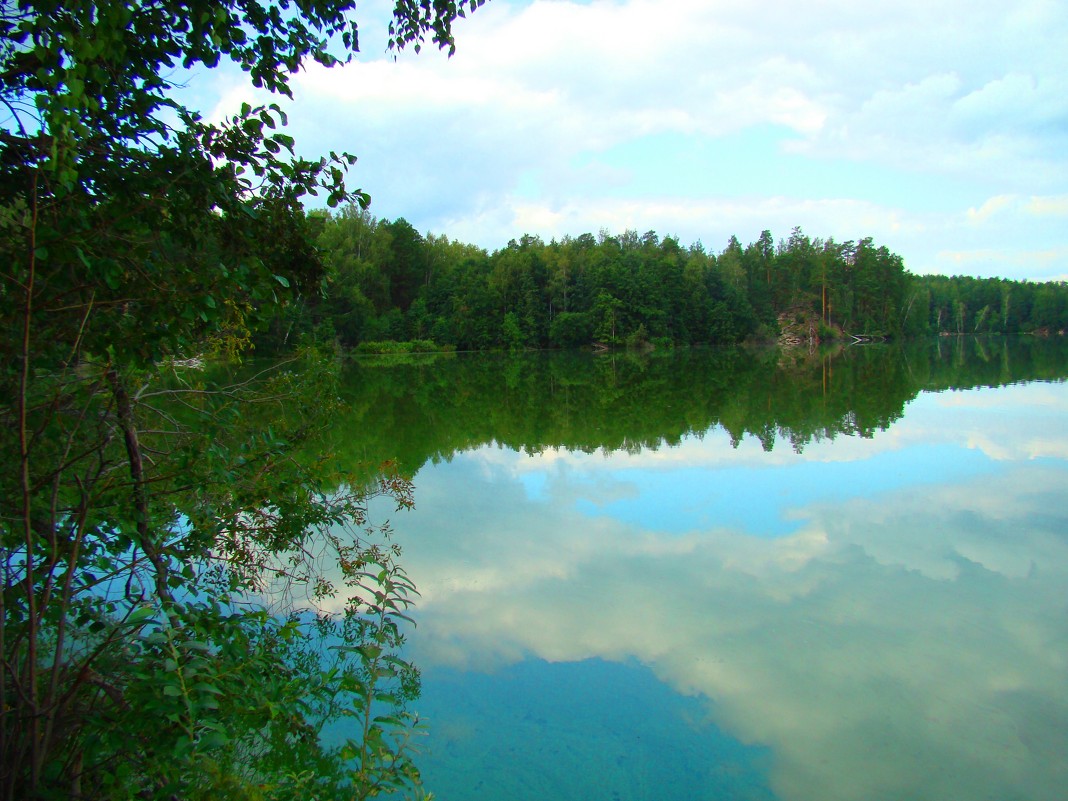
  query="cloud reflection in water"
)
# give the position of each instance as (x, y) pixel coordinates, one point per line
(904, 643)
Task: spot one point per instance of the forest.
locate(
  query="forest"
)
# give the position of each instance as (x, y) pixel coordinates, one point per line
(387, 282)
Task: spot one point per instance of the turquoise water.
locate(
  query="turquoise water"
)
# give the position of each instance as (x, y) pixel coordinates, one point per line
(869, 617)
(579, 730)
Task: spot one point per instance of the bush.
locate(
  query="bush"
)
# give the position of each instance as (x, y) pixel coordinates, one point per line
(571, 330)
(409, 346)
(826, 333)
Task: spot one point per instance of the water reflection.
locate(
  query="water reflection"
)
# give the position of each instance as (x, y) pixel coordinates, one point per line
(879, 617)
(572, 731)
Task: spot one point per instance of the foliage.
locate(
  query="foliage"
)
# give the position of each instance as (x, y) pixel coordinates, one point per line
(150, 516)
(624, 290)
(411, 346)
(966, 305)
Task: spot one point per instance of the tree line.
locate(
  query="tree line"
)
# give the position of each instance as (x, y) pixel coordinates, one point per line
(386, 281)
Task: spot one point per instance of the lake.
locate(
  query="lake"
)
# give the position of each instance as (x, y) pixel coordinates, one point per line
(738, 574)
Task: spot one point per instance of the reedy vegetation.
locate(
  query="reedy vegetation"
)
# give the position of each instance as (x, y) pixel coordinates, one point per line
(151, 517)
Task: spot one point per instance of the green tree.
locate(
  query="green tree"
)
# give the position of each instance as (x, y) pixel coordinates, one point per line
(407, 264)
(571, 330)
(511, 333)
(355, 289)
(757, 262)
(142, 508)
(607, 312)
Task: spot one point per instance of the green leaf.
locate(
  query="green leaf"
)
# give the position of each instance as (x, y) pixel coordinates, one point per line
(214, 739)
(140, 615)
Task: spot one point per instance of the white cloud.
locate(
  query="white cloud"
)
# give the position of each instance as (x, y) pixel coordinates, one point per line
(1048, 206)
(991, 207)
(1010, 98)
(1035, 265)
(1036, 206)
(920, 123)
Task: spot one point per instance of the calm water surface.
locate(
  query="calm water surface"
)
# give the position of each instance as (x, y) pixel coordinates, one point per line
(736, 576)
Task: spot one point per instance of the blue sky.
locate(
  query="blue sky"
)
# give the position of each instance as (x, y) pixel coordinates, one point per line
(937, 127)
